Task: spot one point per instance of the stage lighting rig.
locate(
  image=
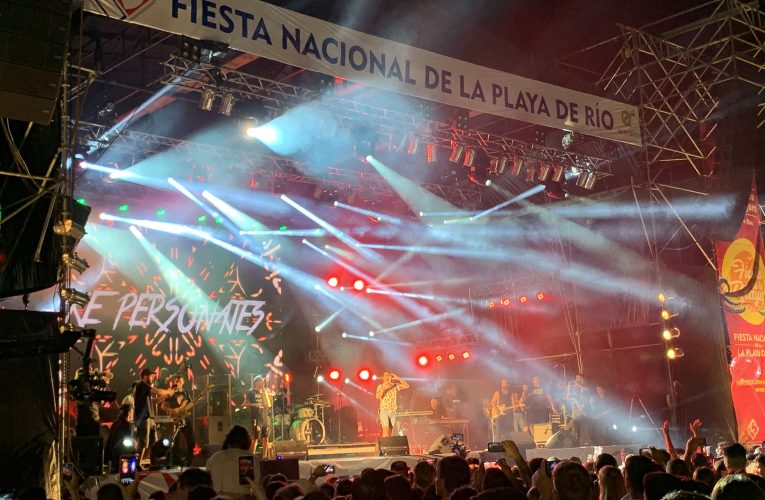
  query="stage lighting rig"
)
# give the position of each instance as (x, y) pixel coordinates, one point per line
(70, 229)
(227, 104)
(670, 333)
(456, 153)
(75, 263)
(72, 296)
(207, 99)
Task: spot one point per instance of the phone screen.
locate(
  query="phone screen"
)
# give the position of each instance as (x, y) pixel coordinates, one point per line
(128, 466)
(329, 469)
(495, 447)
(549, 466)
(67, 471)
(490, 465)
(246, 469)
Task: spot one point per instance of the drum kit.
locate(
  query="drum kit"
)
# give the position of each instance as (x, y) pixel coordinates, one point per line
(305, 422)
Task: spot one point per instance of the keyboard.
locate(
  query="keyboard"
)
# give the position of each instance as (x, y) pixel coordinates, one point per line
(416, 413)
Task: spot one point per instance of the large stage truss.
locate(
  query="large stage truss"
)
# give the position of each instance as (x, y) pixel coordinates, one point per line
(674, 73)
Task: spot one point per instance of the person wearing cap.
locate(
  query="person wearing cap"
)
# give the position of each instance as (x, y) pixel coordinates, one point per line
(142, 394)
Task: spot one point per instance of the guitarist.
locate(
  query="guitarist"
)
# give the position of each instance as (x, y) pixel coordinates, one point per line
(386, 394)
(501, 403)
(178, 406)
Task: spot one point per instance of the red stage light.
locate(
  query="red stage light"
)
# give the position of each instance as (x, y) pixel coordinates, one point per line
(333, 281)
(359, 285)
(465, 355)
(364, 374)
(540, 296)
(505, 301)
(439, 358)
(451, 356)
(423, 360)
(523, 299)
(334, 374)
(288, 377)
(491, 304)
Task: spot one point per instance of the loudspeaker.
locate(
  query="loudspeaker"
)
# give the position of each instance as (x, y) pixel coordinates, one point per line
(347, 424)
(522, 440)
(88, 454)
(562, 439)
(287, 466)
(212, 430)
(217, 404)
(393, 445)
(290, 449)
(33, 39)
(541, 432)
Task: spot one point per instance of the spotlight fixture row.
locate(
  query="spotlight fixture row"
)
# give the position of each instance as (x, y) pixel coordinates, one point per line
(207, 100)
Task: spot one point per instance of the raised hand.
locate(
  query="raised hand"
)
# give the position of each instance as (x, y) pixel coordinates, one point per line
(665, 426)
(695, 426)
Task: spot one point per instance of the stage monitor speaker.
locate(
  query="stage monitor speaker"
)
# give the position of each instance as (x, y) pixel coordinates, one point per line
(88, 453)
(541, 432)
(347, 424)
(290, 467)
(290, 449)
(522, 440)
(562, 439)
(212, 430)
(393, 445)
(33, 41)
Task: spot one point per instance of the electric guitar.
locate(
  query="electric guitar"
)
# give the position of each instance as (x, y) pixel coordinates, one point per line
(501, 410)
(184, 410)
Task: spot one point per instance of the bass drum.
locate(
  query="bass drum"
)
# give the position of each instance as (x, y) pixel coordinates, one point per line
(310, 430)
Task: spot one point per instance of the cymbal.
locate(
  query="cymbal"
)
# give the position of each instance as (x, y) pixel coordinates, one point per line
(316, 396)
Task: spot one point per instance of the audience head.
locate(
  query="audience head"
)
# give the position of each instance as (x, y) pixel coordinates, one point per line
(734, 457)
(328, 489)
(202, 492)
(237, 437)
(685, 495)
(611, 483)
(735, 487)
(605, 459)
(658, 484)
(535, 464)
(344, 487)
(289, 492)
(571, 481)
(397, 487)
(635, 467)
(705, 475)
(494, 478)
(272, 487)
(190, 479)
(679, 468)
(400, 467)
(316, 495)
(452, 473)
(424, 474)
(108, 491)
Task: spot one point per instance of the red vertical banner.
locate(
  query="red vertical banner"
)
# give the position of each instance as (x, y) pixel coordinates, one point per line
(741, 281)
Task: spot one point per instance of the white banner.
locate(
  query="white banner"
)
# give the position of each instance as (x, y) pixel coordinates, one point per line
(282, 35)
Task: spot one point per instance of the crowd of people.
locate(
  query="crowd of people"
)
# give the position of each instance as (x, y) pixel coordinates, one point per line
(650, 474)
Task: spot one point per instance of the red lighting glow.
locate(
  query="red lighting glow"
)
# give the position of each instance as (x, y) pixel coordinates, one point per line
(540, 296)
(288, 377)
(523, 299)
(364, 374)
(333, 281)
(465, 355)
(334, 374)
(491, 304)
(359, 285)
(505, 301)
(423, 360)
(439, 358)
(451, 356)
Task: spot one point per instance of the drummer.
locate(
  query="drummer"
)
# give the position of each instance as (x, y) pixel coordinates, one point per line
(260, 402)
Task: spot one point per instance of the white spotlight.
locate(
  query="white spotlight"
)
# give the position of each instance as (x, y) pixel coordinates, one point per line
(128, 442)
(320, 378)
(371, 333)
